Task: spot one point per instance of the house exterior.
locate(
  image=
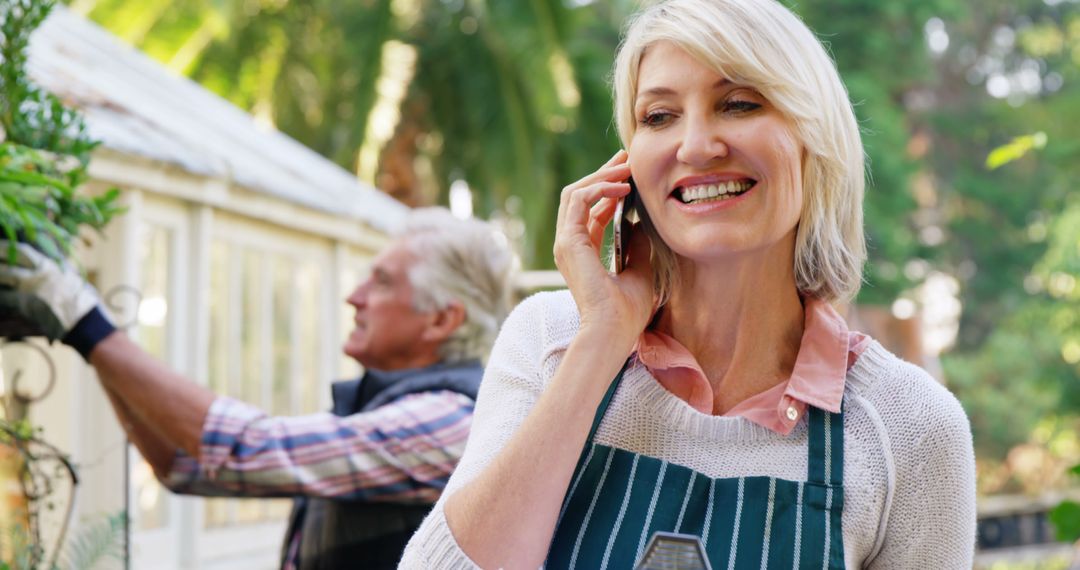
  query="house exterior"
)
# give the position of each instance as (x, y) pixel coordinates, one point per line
(231, 265)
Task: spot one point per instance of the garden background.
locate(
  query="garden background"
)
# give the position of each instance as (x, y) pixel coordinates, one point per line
(970, 113)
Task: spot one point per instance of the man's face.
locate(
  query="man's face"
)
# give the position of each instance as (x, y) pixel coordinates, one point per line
(388, 329)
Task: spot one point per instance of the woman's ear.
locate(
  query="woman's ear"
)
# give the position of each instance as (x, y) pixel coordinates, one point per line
(444, 322)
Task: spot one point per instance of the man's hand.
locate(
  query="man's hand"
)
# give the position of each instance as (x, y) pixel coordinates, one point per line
(54, 297)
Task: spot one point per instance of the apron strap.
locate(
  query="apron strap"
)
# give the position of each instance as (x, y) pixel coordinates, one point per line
(602, 408)
(585, 451)
(825, 451)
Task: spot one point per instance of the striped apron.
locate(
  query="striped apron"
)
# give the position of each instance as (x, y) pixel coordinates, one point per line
(619, 499)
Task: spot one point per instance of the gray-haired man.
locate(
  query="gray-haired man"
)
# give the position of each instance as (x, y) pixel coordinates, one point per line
(364, 475)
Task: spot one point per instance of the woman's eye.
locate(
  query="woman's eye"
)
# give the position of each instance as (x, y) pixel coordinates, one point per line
(655, 118)
(740, 106)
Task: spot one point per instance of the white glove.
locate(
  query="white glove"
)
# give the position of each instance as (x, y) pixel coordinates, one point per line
(52, 296)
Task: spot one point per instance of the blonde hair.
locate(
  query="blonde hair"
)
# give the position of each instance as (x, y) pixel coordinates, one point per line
(467, 261)
(761, 44)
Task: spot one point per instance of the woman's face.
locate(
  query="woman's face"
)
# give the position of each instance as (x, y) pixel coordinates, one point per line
(718, 167)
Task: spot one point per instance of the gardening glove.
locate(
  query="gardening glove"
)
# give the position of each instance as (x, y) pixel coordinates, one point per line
(52, 296)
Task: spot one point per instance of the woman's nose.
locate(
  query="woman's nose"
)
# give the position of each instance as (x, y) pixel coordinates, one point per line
(701, 144)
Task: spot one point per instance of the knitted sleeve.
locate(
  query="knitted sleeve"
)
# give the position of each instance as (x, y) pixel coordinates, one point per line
(930, 521)
(521, 362)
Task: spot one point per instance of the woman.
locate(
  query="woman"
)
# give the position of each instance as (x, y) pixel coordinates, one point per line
(742, 411)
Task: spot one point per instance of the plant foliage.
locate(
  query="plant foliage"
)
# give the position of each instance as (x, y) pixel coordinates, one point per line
(96, 542)
(45, 151)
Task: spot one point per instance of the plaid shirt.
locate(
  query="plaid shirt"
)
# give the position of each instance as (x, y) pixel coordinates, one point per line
(401, 452)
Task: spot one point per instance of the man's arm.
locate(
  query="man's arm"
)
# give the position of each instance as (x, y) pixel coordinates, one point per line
(157, 451)
(404, 451)
(401, 452)
(155, 396)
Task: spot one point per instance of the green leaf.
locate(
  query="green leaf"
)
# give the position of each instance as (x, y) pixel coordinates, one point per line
(1066, 519)
(1015, 149)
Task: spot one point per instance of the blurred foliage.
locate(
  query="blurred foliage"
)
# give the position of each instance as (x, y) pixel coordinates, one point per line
(44, 150)
(1015, 149)
(1066, 516)
(39, 203)
(1008, 85)
(99, 543)
(28, 114)
(969, 115)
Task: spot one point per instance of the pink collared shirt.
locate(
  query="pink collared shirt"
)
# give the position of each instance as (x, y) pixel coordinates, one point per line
(827, 351)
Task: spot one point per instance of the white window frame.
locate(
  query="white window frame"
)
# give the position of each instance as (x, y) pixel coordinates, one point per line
(161, 548)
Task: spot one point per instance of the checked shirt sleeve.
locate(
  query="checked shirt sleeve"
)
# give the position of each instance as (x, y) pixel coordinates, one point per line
(401, 452)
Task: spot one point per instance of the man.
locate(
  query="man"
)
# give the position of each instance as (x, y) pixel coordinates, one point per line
(365, 475)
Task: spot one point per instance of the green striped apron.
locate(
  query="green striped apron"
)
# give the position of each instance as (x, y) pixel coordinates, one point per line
(618, 499)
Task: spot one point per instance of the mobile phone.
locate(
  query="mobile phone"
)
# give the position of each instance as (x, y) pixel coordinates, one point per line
(621, 226)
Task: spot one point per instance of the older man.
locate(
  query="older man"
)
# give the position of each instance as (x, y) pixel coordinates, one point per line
(366, 474)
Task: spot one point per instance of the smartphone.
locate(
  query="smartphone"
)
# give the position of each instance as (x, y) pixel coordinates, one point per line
(621, 226)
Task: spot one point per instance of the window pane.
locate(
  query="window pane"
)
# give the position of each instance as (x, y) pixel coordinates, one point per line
(278, 509)
(283, 292)
(307, 279)
(151, 500)
(154, 257)
(252, 329)
(216, 512)
(220, 309)
(250, 511)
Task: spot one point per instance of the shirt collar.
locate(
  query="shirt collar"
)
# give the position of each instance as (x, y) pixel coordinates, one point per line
(817, 378)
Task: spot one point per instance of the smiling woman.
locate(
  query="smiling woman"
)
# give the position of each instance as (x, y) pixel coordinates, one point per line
(710, 390)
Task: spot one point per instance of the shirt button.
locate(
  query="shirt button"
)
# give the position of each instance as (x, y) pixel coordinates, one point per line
(792, 413)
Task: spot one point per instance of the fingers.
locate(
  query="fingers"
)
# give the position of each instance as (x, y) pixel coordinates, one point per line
(581, 218)
(582, 201)
(599, 217)
(615, 169)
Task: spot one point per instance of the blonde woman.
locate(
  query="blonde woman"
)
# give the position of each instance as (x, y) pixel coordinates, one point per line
(710, 389)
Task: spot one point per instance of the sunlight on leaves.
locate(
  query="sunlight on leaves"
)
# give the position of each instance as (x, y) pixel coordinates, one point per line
(1015, 149)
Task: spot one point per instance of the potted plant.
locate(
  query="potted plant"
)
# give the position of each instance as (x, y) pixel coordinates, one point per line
(44, 155)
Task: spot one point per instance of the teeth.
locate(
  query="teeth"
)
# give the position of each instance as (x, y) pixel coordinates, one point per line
(708, 191)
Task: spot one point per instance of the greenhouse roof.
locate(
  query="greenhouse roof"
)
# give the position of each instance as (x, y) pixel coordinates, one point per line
(136, 106)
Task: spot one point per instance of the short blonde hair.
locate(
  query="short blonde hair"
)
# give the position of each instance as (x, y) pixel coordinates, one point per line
(467, 261)
(761, 44)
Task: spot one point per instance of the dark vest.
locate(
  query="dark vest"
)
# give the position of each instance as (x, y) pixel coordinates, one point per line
(356, 534)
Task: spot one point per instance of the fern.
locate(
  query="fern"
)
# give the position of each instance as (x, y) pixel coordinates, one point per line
(95, 543)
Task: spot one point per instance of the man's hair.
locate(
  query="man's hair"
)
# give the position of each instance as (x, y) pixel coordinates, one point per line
(467, 261)
(761, 44)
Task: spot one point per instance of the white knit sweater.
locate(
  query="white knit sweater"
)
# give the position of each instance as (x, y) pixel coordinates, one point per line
(909, 466)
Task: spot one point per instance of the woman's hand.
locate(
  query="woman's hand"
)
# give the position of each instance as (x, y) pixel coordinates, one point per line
(517, 496)
(614, 304)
